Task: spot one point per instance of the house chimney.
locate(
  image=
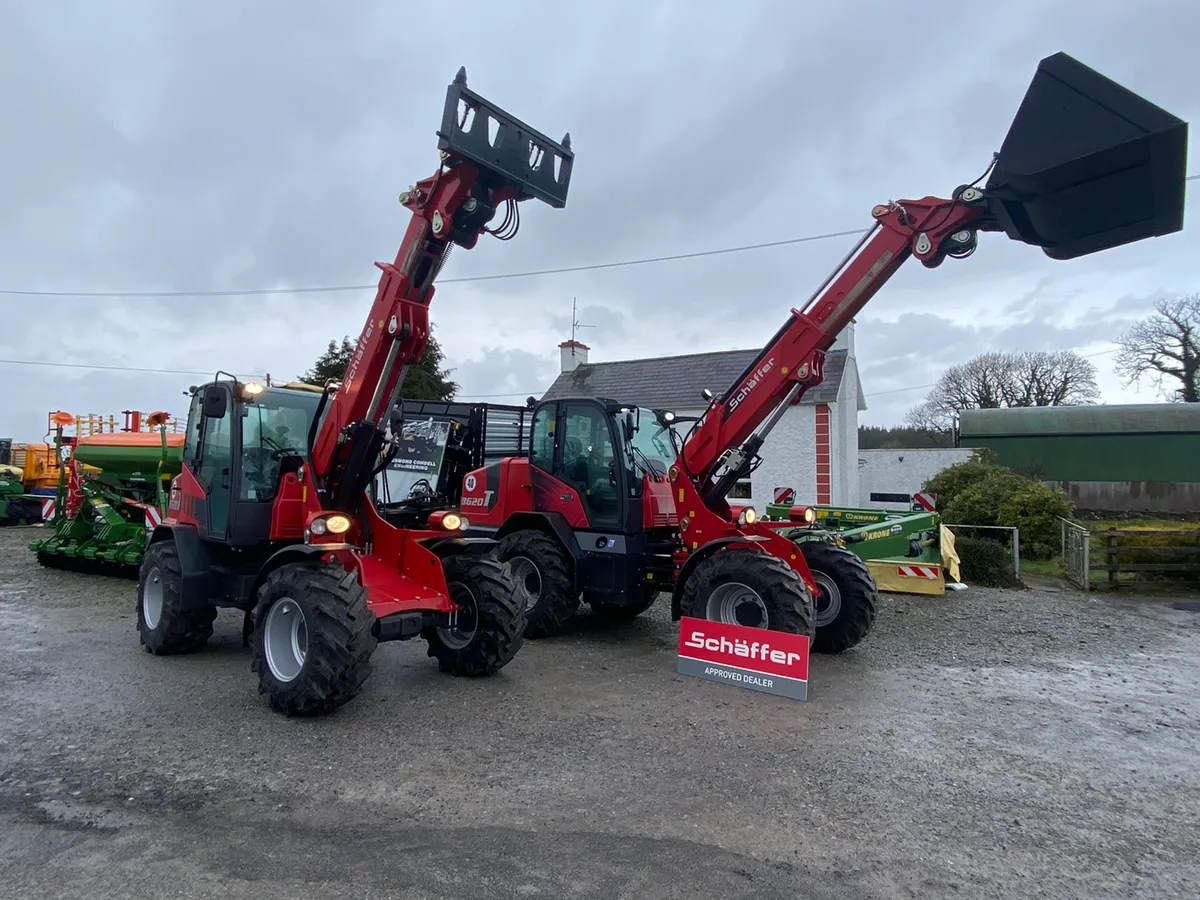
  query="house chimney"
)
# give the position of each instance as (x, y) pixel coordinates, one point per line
(572, 354)
(845, 340)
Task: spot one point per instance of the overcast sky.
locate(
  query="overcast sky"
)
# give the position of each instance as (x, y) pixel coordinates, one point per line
(232, 146)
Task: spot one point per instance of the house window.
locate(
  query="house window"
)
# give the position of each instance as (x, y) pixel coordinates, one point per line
(741, 490)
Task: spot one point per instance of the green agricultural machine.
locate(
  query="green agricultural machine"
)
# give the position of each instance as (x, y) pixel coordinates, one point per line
(16, 506)
(907, 551)
(111, 490)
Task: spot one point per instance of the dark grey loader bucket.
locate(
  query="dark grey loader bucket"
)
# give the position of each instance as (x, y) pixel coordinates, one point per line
(1087, 165)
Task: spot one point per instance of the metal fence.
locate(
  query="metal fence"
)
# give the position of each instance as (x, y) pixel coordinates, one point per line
(1076, 552)
(1014, 540)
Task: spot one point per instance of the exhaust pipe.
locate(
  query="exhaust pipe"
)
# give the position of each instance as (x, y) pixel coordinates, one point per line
(1087, 165)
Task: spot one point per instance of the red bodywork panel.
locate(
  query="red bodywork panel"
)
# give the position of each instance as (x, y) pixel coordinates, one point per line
(494, 493)
(658, 506)
(400, 314)
(793, 361)
(185, 496)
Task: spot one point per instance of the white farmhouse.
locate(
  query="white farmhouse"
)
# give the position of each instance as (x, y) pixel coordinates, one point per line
(813, 449)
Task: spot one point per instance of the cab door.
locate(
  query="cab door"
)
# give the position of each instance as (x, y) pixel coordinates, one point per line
(587, 460)
(214, 466)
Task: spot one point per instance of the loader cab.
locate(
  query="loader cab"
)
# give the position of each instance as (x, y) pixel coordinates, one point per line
(241, 439)
(608, 453)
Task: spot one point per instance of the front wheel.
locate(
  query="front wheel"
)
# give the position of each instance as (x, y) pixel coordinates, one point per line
(545, 580)
(313, 638)
(165, 626)
(749, 587)
(847, 598)
(486, 633)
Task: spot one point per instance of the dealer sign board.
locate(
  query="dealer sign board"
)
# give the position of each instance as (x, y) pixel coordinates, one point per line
(773, 662)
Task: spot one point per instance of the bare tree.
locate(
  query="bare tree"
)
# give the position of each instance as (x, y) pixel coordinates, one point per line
(994, 380)
(1165, 347)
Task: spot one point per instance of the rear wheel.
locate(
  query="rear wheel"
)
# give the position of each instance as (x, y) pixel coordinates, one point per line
(484, 636)
(313, 638)
(165, 626)
(847, 598)
(545, 581)
(748, 587)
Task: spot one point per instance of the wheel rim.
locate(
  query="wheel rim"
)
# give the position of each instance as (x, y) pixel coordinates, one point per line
(463, 623)
(528, 579)
(152, 599)
(737, 604)
(285, 639)
(828, 600)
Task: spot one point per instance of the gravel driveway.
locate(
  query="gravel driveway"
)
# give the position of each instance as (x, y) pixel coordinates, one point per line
(986, 744)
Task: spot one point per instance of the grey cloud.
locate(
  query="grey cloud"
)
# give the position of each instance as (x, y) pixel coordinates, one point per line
(260, 145)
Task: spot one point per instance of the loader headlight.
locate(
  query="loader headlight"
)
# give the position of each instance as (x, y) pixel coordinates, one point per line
(451, 521)
(805, 514)
(747, 516)
(335, 524)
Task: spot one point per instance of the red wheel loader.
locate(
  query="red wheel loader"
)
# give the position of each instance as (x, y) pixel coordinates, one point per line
(605, 509)
(270, 514)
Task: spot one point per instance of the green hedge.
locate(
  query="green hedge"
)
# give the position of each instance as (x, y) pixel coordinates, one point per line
(979, 492)
(985, 563)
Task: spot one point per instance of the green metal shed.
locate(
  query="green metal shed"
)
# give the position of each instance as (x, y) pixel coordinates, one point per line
(1142, 442)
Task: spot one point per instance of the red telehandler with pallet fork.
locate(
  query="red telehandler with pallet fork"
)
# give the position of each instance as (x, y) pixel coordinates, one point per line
(608, 509)
(270, 514)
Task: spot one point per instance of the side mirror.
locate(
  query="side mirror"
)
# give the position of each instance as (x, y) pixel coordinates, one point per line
(630, 426)
(215, 403)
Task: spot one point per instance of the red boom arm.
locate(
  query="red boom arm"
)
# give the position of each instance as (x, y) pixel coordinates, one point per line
(482, 168)
(397, 328)
(722, 445)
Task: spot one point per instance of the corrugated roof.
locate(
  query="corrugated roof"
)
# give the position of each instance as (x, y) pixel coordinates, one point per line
(1138, 418)
(676, 381)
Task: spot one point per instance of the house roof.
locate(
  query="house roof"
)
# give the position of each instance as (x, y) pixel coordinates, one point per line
(1134, 418)
(676, 381)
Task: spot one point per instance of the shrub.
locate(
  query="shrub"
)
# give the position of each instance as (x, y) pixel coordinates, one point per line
(985, 563)
(980, 503)
(953, 480)
(1035, 509)
(979, 492)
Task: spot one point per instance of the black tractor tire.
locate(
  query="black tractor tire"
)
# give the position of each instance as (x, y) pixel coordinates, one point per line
(848, 600)
(170, 629)
(491, 627)
(338, 638)
(549, 594)
(616, 613)
(788, 604)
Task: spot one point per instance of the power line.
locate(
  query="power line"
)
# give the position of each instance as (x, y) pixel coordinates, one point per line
(915, 387)
(62, 365)
(364, 287)
(337, 288)
(328, 289)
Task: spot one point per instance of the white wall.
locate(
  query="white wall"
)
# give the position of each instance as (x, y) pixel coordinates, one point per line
(902, 471)
(789, 457)
(843, 439)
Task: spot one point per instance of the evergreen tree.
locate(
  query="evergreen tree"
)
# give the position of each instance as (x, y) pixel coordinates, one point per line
(427, 380)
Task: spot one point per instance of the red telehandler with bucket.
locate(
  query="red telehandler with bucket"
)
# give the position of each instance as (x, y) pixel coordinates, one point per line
(609, 509)
(270, 514)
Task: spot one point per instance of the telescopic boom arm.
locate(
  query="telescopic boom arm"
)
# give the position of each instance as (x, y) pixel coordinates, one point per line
(477, 175)
(722, 447)
(1087, 165)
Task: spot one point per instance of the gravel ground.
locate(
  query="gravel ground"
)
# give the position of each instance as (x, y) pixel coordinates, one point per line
(985, 744)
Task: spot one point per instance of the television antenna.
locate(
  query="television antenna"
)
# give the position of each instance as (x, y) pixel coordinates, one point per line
(575, 323)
